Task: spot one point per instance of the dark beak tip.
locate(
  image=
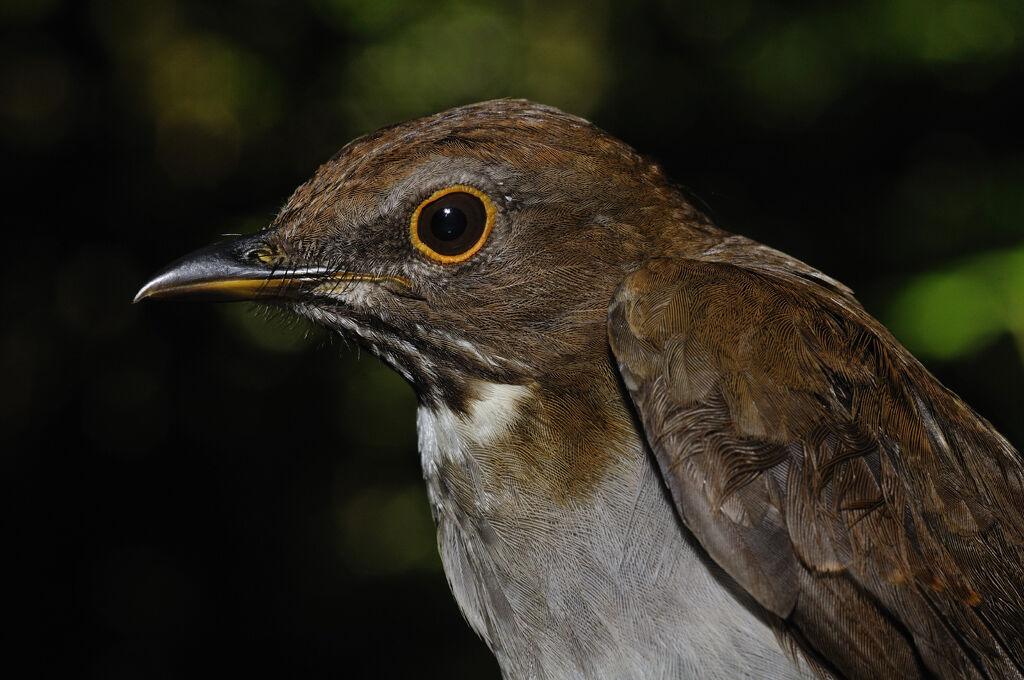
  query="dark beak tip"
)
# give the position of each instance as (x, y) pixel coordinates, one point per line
(143, 293)
(164, 285)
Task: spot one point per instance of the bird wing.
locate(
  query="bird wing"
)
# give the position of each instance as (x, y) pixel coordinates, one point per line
(826, 471)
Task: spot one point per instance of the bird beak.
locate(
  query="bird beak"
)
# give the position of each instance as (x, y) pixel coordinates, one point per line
(229, 271)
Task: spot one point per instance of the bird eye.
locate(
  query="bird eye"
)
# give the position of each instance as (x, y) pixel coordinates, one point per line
(453, 223)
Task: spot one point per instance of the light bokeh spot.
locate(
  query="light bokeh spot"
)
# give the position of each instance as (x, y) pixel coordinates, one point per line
(959, 310)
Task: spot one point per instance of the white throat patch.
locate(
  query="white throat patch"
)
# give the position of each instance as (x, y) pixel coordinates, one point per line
(445, 433)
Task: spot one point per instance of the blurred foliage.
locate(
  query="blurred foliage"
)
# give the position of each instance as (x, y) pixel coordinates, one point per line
(956, 311)
(222, 488)
(417, 57)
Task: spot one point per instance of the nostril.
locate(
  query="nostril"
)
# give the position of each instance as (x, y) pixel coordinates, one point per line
(264, 254)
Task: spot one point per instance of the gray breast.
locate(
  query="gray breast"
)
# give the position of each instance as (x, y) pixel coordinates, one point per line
(608, 587)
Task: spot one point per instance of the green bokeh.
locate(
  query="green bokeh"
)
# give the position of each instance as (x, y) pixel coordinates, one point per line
(958, 310)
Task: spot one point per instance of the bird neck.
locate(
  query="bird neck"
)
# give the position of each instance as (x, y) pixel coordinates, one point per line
(552, 437)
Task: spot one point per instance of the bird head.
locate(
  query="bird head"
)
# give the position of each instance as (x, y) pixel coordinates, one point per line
(482, 242)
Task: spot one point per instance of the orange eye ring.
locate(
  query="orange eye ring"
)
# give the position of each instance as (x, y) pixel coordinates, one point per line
(452, 224)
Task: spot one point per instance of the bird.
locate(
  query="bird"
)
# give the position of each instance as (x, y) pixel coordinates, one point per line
(652, 448)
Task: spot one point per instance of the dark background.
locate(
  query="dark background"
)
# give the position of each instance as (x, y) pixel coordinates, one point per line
(200, 490)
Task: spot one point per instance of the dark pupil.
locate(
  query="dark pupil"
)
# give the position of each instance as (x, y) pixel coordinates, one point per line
(448, 224)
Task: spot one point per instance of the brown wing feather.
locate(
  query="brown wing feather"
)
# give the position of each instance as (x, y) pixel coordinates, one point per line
(827, 471)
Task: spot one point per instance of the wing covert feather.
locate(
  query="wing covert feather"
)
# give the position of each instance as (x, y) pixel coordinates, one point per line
(826, 470)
